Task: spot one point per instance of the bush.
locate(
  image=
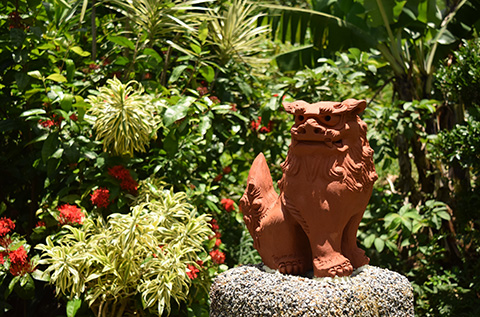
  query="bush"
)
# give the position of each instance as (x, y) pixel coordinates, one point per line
(154, 252)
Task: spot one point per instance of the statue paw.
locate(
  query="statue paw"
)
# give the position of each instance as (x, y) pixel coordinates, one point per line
(294, 266)
(335, 266)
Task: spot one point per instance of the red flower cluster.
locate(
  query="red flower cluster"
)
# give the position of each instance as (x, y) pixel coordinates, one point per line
(55, 121)
(100, 197)
(228, 204)
(19, 262)
(70, 214)
(202, 91)
(6, 225)
(127, 183)
(192, 270)
(214, 225)
(18, 256)
(226, 170)
(257, 125)
(40, 224)
(218, 256)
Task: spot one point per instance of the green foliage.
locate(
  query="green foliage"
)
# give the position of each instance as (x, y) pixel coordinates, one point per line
(145, 252)
(235, 34)
(124, 117)
(459, 77)
(460, 145)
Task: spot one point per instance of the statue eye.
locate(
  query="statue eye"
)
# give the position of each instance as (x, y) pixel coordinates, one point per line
(330, 119)
(300, 118)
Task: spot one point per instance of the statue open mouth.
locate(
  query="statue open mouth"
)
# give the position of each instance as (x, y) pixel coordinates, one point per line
(328, 142)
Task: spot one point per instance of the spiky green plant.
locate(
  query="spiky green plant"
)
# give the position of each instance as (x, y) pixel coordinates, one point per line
(235, 33)
(125, 117)
(162, 19)
(145, 253)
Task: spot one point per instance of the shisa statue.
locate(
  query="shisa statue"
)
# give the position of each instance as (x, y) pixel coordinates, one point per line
(327, 181)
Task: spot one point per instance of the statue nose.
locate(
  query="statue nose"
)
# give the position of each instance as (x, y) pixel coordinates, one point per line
(312, 127)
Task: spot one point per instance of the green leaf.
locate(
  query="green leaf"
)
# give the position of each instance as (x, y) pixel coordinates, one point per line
(66, 102)
(203, 32)
(178, 111)
(73, 306)
(205, 124)
(122, 41)
(369, 240)
(70, 65)
(208, 73)
(444, 215)
(11, 286)
(26, 288)
(22, 80)
(49, 146)
(239, 217)
(33, 112)
(152, 53)
(57, 77)
(40, 276)
(177, 71)
(379, 244)
(78, 50)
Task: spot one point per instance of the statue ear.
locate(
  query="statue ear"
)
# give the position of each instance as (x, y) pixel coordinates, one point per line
(289, 107)
(355, 106)
(295, 107)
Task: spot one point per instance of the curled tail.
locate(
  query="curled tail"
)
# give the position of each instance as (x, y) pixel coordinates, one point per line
(259, 197)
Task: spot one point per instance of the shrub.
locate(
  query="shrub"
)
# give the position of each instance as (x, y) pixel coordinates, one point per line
(152, 252)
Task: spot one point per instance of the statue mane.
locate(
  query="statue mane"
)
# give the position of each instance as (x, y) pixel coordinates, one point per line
(354, 167)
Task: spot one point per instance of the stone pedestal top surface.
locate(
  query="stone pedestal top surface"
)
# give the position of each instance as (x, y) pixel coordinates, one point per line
(255, 290)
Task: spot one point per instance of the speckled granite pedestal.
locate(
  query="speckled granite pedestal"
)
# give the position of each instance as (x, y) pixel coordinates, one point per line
(251, 291)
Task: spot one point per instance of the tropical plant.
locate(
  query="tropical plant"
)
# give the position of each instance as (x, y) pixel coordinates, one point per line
(148, 252)
(235, 33)
(125, 118)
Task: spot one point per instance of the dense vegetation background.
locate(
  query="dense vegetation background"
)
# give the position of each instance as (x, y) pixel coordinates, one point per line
(128, 129)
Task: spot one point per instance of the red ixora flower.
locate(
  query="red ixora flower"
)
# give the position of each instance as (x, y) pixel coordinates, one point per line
(21, 269)
(100, 197)
(6, 225)
(214, 225)
(40, 223)
(5, 242)
(127, 182)
(20, 265)
(257, 125)
(228, 204)
(18, 256)
(192, 271)
(70, 214)
(218, 256)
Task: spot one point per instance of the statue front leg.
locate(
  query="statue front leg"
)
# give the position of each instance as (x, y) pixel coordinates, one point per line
(327, 258)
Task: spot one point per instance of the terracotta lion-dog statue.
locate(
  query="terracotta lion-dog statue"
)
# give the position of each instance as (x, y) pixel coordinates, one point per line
(327, 181)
